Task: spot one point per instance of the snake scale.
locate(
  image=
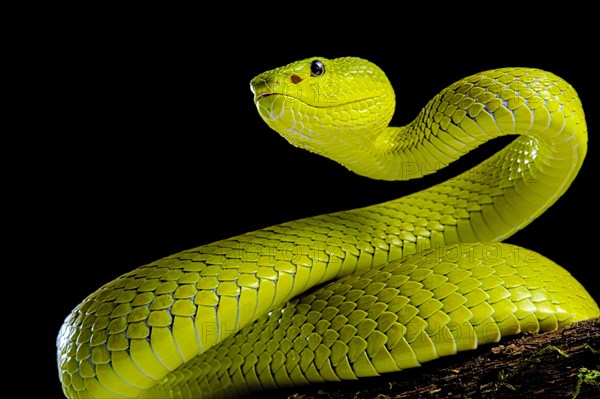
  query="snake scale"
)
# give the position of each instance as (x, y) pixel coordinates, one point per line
(359, 292)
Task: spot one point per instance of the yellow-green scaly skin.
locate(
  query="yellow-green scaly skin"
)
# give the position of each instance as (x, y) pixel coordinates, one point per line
(412, 279)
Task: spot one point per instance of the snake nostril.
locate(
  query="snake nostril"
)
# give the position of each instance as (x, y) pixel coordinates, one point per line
(296, 79)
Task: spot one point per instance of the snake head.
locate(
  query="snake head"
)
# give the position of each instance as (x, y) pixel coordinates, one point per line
(325, 105)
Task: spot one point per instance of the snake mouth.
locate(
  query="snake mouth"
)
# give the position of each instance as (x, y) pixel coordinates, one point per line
(263, 95)
(260, 96)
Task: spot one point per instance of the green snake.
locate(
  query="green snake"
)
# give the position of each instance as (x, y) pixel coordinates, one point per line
(360, 292)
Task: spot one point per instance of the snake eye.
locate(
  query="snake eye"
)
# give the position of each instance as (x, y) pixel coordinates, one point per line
(317, 68)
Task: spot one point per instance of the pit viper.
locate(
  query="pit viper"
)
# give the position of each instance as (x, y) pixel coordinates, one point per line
(359, 292)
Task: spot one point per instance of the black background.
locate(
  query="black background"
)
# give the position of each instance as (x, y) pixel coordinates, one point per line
(150, 143)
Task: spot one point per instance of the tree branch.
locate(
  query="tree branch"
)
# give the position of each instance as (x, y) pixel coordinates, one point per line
(558, 364)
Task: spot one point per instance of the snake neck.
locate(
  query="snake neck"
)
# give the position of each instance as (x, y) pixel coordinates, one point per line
(392, 153)
(471, 112)
(517, 184)
(511, 188)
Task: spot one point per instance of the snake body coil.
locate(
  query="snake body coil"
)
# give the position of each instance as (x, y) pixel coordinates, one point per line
(410, 280)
